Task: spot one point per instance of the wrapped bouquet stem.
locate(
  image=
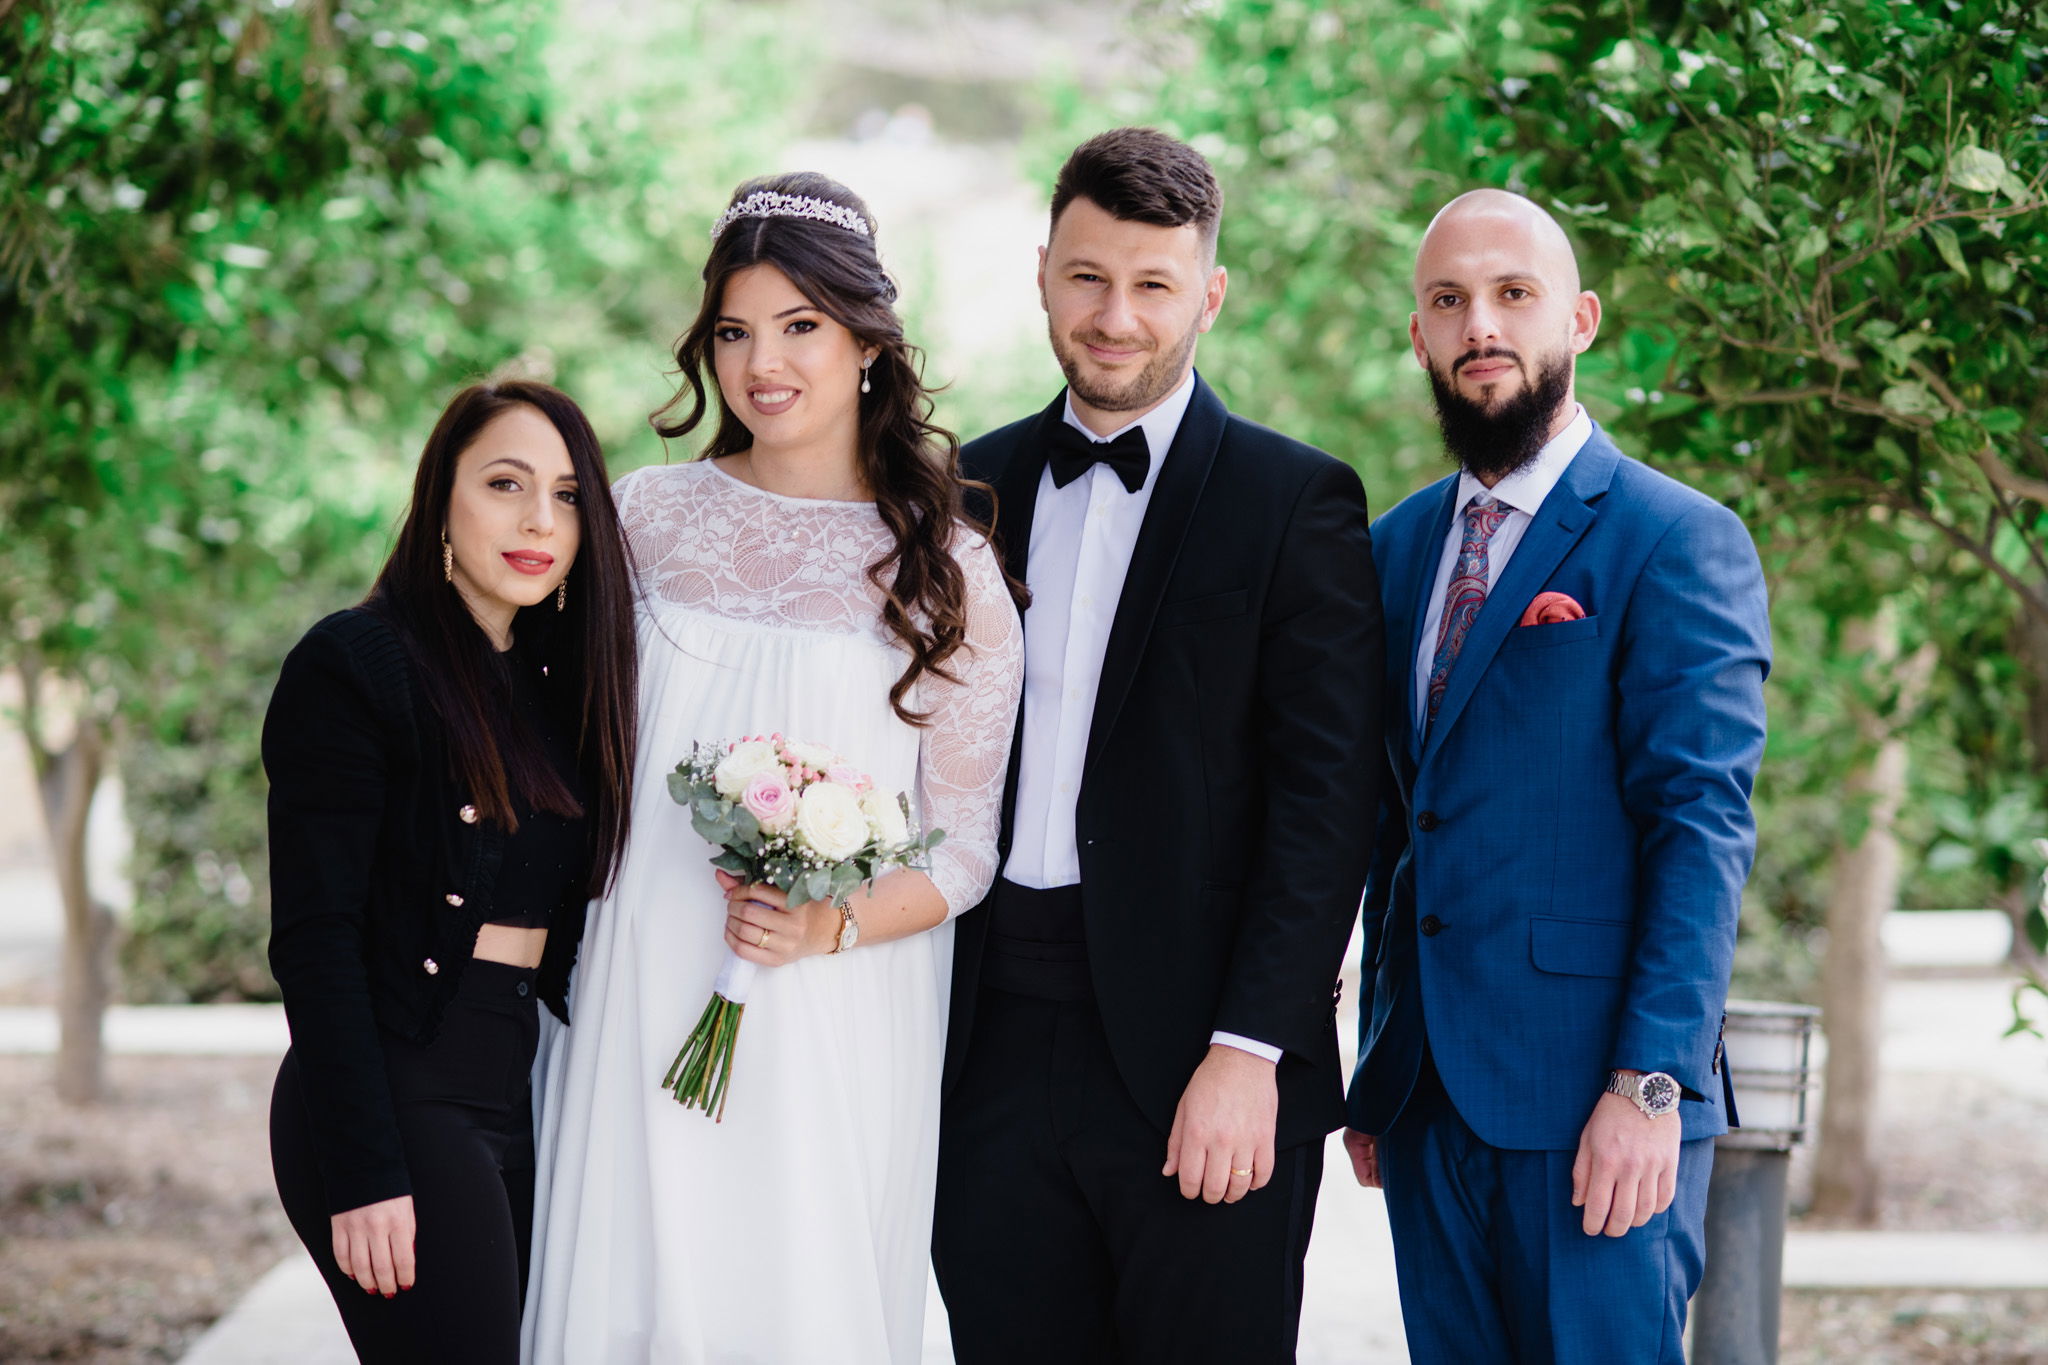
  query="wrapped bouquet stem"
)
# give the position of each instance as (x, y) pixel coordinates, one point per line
(787, 814)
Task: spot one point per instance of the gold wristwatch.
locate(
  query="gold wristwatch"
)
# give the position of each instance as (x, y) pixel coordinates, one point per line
(849, 929)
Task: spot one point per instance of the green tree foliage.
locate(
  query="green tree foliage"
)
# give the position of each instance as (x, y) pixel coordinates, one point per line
(1821, 234)
(246, 252)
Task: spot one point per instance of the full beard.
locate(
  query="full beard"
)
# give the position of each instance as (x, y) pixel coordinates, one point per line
(1159, 377)
(1492, 441)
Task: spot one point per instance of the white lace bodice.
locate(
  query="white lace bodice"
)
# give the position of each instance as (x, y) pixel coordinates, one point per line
(704, 542)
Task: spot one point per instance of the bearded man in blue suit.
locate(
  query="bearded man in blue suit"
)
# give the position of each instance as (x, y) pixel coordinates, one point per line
(1576, 652)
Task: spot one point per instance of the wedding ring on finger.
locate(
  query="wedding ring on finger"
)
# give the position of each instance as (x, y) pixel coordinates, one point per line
(762, 942)
(1234, 1170)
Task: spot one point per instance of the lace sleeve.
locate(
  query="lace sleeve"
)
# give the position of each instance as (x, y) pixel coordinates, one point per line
(964, 754)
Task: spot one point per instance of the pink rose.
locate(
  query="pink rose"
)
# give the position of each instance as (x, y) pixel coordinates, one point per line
(848, 776)
(768, 798)
(1550, 608)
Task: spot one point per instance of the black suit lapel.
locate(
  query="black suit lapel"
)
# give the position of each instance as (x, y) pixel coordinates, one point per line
(1182, 476)
(1016, 486)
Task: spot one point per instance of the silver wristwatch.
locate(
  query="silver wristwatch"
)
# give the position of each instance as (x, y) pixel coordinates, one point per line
(1655, 1093)
(849, 929)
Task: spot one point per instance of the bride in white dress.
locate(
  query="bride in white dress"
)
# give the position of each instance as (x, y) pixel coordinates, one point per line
(814, 576)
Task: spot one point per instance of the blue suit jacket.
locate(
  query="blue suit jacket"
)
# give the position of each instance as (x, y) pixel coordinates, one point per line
(1576, 820)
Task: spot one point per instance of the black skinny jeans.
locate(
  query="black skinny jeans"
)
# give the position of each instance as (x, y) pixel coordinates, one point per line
(465, 1116)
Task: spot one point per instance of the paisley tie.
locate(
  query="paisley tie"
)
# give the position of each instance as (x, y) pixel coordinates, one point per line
(1466, 593)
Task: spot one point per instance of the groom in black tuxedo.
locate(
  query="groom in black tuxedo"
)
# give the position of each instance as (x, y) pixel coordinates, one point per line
(1142, 1059)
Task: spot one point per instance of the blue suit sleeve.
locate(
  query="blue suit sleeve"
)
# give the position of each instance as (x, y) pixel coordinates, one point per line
(1690, 728)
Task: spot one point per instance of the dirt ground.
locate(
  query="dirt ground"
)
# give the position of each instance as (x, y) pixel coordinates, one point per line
(1914, 1329)
(127, 1228)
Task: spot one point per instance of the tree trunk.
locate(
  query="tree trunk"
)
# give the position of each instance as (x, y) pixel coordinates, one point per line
(67, 779)
(1864, 886)
(2030, 645)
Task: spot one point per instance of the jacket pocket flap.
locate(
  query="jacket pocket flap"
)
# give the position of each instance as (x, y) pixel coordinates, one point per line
(1580, 947)
(1208, 608)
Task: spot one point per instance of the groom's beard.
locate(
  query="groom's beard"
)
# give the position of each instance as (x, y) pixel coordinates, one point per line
(1492, 441)
(1160, 375)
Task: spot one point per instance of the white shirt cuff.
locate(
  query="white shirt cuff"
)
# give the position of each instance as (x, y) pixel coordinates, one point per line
(1264, 1051)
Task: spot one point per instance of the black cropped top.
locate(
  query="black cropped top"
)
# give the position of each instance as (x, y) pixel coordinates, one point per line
(549, 853)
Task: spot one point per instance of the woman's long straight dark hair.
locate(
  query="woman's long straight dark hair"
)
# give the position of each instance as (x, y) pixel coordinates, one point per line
(909, 462)
(588, 646)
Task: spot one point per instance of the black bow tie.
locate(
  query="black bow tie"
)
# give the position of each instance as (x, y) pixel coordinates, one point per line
(1074, 451)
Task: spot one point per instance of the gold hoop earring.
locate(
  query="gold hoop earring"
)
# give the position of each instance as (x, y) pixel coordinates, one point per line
(562, 595)
(447, 559)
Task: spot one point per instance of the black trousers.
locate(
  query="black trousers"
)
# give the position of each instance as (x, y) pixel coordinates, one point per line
(1056, 1237)
(465, 1116)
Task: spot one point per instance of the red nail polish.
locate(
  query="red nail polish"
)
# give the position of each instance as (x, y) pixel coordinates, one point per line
(391, 1296)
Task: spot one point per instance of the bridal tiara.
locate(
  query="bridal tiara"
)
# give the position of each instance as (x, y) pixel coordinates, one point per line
(770, 204)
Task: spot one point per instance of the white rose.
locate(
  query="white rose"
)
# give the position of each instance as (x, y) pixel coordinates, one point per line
(816, 757)
(885, 819)
(739, 767)
(829, 819)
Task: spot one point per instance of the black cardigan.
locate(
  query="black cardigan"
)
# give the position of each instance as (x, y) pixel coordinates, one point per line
(380, 875)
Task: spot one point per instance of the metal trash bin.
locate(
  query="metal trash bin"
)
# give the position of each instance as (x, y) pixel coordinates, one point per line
(1768, 1054)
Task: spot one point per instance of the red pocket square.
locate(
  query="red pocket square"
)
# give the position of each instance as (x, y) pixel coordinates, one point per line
(1551, 607)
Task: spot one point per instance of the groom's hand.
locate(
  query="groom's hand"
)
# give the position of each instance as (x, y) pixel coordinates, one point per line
(1627, 1168)
(1221, 1145)
(1364, 1150)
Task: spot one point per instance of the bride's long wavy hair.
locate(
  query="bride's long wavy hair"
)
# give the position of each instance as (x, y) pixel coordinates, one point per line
(911, 464)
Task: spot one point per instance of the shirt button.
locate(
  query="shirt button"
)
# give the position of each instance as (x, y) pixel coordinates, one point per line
(467, 815)
(431, 967)
(1431, 926)
(1066, 789)
(1426, 821)
(452, 899)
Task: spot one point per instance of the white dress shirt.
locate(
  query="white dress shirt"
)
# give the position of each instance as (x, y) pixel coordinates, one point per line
(1523, 492)
(1082, 536)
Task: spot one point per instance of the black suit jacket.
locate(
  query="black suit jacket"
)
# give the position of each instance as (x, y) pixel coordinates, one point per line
(1232, 762)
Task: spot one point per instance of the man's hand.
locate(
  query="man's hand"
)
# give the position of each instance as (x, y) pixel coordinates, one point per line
(1627, 1167)
(1364, 1149)
(373, 1245)
(1221, 1145)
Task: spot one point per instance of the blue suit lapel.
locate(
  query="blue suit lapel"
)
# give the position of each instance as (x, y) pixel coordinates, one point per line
(1557, 526)
(1423, 563)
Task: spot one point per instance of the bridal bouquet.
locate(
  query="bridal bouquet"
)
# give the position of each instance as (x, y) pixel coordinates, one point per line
(794, 816)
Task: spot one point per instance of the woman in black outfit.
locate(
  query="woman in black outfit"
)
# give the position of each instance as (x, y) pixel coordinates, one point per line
(447, 768)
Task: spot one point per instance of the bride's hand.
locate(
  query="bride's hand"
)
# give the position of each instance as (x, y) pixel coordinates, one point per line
(762, 927)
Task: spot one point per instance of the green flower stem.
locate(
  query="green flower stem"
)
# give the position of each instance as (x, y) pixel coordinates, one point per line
(702, 1070)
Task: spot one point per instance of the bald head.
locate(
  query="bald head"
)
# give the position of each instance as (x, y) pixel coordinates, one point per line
(1508, 223)
(1500, 320)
